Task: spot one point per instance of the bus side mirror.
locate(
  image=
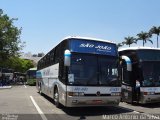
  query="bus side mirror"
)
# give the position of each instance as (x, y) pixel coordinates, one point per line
(67, 58)
(128, 62)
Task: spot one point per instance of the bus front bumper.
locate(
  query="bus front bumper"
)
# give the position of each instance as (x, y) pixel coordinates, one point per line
(150, 99)
(83, 101)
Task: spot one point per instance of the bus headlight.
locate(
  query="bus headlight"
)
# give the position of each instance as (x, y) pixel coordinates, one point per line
(115, 94)
(81, 93)
(76, 93)
(148, 93)
(151, 93)
(73, 93)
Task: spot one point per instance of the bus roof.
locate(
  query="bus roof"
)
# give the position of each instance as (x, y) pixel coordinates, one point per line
(35, 68)
(83, 38)
(138, 48)
(87, 38)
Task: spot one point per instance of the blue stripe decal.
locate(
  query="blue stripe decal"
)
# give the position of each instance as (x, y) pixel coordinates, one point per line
(68, 55)
(128, 62)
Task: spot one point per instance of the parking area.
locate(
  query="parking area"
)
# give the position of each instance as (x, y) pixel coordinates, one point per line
(24, 103)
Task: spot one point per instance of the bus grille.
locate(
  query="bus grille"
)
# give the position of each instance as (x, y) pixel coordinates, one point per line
(97, 95)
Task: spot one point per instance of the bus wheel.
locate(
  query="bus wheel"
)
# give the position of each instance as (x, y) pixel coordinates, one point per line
(40, 90)
(56, 98)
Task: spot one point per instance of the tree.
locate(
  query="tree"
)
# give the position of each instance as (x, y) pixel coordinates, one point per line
(129, 40)
(119, 45)
(10, 43)
(144, 36)
(155, 30)
(19, 64)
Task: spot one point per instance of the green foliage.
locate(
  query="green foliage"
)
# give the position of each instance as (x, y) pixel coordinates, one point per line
(31, 82)
(18, 64)
(119, 45)
(129, 40)
(155, 30)
(10, 43)
(144, 36)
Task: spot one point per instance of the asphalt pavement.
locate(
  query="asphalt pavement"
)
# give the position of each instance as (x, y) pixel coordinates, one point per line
(25, 103)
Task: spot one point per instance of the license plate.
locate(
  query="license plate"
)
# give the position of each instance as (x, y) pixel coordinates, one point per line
(97, 101)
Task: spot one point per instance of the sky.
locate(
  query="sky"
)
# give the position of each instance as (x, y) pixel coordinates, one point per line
(46, 22)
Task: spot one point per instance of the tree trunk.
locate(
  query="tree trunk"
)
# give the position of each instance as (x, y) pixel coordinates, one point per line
(157, 42)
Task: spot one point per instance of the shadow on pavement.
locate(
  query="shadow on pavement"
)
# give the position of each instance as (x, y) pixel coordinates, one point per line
(147, 105)
(91, 111)
(95, 111)
(151, 105)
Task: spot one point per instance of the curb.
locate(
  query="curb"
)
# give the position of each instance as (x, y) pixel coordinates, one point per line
(5, 87)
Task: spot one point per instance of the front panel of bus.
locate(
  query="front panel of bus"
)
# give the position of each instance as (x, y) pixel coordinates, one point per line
(93, 75)
(150, 84)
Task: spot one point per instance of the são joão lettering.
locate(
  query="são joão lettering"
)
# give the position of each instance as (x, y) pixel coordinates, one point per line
(88, 45)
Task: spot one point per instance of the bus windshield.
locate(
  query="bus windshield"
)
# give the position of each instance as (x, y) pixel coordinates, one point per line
(94, 70)
(149, 55)
(151, 73)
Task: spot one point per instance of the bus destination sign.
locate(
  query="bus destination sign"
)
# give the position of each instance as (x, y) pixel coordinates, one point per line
(95, 47)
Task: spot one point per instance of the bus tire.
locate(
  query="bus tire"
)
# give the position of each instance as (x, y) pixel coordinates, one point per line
(40, 90)
(56, 98)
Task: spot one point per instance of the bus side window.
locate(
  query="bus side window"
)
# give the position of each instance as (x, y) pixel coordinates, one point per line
(62, 71)
(125, 73)
(52, 57)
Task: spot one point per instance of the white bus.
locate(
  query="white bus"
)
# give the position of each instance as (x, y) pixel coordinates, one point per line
(140, 74)
(80, 72)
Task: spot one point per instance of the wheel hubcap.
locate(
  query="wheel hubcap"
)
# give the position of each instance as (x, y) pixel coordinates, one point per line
(56, 97)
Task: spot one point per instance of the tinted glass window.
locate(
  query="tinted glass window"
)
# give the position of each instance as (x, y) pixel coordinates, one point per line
(125, 74)
(84, 69)
(149, 55)
(31, 74)
(151, 73)
(94, 70)
(108, 73)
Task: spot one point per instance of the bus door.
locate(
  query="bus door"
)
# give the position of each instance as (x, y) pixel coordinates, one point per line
(127, 85)
(136, 80)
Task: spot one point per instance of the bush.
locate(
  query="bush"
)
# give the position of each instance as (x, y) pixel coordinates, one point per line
(31, 82)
